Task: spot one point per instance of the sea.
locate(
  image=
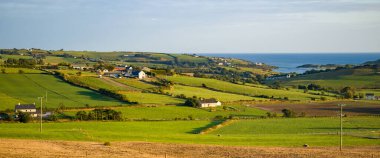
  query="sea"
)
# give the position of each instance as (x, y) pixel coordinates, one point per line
(288, 62)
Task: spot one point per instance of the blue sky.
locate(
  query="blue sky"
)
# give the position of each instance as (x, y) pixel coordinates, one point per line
(192, 26)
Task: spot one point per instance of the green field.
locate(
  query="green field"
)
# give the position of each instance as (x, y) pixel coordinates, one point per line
(25, 88)
(136, 83)
(181, 112)
(206, 93)
(239, 89)
(150, 98)
(25, 70)
(96, 83)
(358, 78)
(265, 132)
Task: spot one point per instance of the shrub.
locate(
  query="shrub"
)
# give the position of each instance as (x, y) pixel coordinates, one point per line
(288, 113)
(3, 71)
(24, 117)
(107, 144)
(20, 71)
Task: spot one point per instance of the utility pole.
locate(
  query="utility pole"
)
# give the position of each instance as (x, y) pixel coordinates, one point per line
(341, 125)
(40, 114)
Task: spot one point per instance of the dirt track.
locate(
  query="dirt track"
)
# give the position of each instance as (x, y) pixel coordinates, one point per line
(40, 148)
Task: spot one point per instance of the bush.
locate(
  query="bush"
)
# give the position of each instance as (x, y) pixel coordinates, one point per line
(24, 117)
(20, 71)
(107, 144)
(288, 113)
(3, 71)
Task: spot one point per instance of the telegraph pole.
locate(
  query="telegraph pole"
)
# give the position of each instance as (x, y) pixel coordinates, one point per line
(341, 125)
(40, 114)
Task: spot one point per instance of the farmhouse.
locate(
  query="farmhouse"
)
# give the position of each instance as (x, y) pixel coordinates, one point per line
(27, 108)
(370, 96)
(212, 102)
(139, 74)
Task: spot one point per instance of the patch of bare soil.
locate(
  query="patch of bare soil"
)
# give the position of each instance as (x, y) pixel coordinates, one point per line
(324, 108)
(43, 148)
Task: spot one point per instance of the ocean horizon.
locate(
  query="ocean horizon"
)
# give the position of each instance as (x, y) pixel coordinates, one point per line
(288, 62)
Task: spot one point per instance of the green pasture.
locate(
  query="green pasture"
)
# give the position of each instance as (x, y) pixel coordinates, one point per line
(25, 88)
(135, 83)
(206, 93)
(239, 89)
(182, 112)
(56, 60)
(96, 83)
(151, 98)
(288, 132)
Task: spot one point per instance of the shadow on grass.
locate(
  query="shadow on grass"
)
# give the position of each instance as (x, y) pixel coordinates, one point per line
(211, 124)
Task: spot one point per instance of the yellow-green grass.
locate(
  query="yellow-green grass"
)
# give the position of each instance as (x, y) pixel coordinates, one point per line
(136, 83)
(182, 112)
(189, 58)
(4, 56)
(374, 91)
(359, 78)
(279, 132)
(74, 72)
(150, 98)
(189, 91)
(9, 70)
(56, 60)
(25, 88)
(239, 89)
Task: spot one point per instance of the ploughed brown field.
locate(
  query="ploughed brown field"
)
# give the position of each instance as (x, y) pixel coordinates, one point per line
(42, 148)
(352, 108)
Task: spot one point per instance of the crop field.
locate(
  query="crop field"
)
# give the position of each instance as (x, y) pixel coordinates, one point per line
(151, 98)
(239, 89)
(25, 88)
(206, 93)
(188, 58)
(181, 112)
(96, 83)
(359, 78)
(262, 132)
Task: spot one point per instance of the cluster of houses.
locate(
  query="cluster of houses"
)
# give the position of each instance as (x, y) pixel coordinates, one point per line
(124, 71)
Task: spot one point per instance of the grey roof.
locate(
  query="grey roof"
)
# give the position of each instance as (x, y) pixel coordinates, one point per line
(211, 100)
(25, 106)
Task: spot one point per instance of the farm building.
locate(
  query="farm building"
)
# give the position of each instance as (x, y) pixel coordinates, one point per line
(370, 96)
(212, 102)
(27, 108)
(139, 74)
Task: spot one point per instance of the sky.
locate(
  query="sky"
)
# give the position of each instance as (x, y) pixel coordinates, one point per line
(192, 26)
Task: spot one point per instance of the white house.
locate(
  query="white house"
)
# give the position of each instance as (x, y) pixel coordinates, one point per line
(27, 108)
(212, 102)
(370, 96)
(141, 75)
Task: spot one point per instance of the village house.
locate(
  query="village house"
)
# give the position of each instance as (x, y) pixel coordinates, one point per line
(138, 74)
(370, 96)
(212, 102)
(27, 108)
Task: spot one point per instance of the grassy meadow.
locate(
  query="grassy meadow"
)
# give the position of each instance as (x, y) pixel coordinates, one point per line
(25, 88)
(239, 89)
(264, 132)
(181, 112)
(151, 98)
(206, 93)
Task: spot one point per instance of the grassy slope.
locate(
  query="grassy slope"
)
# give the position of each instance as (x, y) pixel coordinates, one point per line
(239, 89)
(359, 78)
(135, 83)
(182, 132)
(25, 88)
(206, 93)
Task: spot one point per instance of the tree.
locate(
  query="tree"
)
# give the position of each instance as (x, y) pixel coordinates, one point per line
(79, 73)
(81, 115)
(192, 102)
(288, 113)
(20, 71)
(24, 117)
(348, 92)
(3, 71)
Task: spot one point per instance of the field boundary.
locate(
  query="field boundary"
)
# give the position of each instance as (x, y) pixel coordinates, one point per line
(217, 126)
